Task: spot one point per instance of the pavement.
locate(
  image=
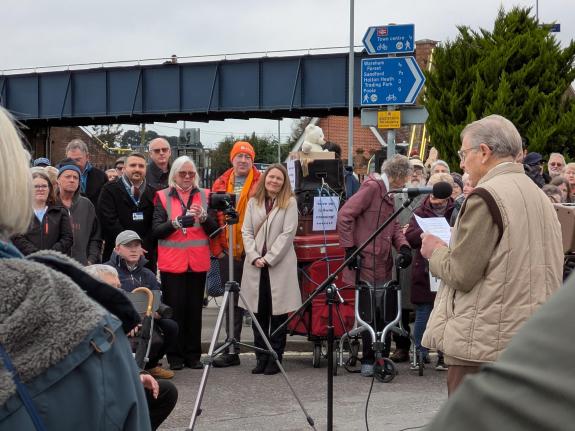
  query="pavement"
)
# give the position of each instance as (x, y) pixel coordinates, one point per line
(234, 399)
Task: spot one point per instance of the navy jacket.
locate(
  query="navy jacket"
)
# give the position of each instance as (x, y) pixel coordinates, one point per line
(139, 277)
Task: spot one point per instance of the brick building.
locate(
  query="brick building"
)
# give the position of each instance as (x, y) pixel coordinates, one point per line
(51, 142)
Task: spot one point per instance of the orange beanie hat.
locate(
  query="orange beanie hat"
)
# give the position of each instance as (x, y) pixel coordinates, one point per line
(242, 147)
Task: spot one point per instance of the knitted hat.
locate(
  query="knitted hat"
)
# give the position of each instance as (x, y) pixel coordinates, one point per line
(69, 168)
(457, 179)
(242, 147)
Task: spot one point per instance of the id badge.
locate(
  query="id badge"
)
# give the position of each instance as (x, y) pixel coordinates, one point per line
(139, 216)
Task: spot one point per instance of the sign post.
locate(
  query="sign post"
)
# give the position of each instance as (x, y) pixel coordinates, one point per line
(390, 39)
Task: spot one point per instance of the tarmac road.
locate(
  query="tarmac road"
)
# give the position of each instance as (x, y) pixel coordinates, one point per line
(235, 399)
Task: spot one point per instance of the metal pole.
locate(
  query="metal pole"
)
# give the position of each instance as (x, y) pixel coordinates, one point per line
(279, 142)
(350, 85)
(537, 10)
(390, 138)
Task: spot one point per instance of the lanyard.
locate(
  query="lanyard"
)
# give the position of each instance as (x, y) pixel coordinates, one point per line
(185, 207)
(128, 187)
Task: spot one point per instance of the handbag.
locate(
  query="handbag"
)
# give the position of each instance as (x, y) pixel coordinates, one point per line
(214, 283)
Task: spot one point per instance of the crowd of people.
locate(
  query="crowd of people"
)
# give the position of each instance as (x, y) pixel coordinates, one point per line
(147, 223)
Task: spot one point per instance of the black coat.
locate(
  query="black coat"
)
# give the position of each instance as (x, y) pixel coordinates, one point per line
(96, 180)
(53, 233)
(155, 177)
(420, 290)
(116, 211)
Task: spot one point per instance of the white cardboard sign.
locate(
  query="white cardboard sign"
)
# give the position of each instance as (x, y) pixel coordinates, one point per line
(325, 212)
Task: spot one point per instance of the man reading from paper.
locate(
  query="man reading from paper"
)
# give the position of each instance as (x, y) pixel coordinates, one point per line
(505, 258)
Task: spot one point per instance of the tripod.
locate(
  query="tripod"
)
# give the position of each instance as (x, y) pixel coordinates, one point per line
(232, 288)
(331, 291)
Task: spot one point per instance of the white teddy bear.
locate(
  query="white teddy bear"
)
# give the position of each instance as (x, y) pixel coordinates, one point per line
(313, 139)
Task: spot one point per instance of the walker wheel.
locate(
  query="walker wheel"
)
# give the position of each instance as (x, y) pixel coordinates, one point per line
(384, 370)
(316, 355)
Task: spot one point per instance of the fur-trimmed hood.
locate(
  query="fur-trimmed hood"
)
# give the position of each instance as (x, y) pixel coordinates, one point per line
(44, 315)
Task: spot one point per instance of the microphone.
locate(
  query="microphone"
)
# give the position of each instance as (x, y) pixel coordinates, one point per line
(441, 190)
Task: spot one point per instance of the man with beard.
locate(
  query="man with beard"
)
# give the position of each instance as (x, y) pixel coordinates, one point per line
(128, 204)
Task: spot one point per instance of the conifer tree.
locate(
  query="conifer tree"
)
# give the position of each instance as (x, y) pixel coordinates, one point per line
(517, 70)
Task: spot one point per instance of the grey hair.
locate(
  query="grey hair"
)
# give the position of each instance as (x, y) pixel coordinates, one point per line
(97, 269)
(557, 155)
(177, 165)
(15, 180)
(440, 163)
(497, 132)
(440, 177)
(77, 144)
(397, 167)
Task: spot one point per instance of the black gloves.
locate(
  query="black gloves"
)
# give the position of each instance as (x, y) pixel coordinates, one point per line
(403, 259)
(186, 221)
(353, 264)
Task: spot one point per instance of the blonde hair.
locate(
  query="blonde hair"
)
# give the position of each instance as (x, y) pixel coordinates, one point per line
(177, 165)
(440, 178)
(285, 193)
(15, 180)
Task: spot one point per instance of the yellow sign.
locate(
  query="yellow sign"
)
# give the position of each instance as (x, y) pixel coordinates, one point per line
(388, 119)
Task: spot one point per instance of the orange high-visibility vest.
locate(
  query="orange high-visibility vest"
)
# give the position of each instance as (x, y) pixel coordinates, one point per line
(181, 251)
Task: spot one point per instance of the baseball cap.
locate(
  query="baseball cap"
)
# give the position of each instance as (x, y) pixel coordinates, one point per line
(42, 161)
(415, 161)
(127, 236)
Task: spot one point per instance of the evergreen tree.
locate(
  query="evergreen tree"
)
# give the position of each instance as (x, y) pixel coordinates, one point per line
(518, 70)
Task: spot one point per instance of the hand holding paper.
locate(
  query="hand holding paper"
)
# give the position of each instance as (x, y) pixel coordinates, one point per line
(429, 243)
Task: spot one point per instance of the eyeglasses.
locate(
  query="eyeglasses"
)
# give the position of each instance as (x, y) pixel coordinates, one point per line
(184, 174)
(461, 153)
(41, 186)
(160, 150)
(556, 164)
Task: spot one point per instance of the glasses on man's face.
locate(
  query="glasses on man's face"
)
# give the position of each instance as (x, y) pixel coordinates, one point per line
(160, 150)
(461, 153)
(41, 186)
(184, 174)
(556, 164)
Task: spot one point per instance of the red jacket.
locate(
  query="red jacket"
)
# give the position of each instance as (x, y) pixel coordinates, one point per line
(367, 209)
(181, 251)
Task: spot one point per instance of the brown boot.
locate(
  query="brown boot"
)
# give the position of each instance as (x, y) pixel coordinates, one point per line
(160, 373)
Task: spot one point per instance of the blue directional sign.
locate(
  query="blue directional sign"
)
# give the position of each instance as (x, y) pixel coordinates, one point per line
(390, 39)
(390, 81)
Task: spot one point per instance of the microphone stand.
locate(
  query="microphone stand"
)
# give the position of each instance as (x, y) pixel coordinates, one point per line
(329, 285)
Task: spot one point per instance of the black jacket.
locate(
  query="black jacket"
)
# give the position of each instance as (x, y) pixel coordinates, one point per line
(155, 177)
(96, 180)
(54, 233)
(116, 211)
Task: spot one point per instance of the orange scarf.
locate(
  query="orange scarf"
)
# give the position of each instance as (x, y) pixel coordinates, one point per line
(241, 209)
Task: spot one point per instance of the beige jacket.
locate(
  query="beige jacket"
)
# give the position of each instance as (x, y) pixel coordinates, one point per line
(279, 229)
(474, 317)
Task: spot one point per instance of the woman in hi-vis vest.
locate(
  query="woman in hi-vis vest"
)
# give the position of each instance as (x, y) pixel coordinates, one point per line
(269, 282)
(182, 226)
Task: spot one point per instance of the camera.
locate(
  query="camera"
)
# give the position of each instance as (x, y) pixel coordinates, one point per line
(222, 201)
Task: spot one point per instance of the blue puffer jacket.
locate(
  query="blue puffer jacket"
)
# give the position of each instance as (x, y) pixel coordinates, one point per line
(140, 276)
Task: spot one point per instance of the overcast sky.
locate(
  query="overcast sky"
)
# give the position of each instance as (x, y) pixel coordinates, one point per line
(55, 32)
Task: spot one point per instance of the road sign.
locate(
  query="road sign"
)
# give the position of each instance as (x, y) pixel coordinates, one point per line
(390, 81)
(389, 39)
(389, 119)
(369, 116)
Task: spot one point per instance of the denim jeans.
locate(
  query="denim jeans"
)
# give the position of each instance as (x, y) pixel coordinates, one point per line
(422, 312)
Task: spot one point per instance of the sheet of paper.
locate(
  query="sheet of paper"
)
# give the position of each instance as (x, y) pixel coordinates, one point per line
(325, 212)
(291, 172)
(437, 226)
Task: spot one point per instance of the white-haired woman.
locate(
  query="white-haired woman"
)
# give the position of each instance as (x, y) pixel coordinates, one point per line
(54, 335)
(182, 225)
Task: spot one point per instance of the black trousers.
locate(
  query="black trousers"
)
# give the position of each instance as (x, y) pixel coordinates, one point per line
(238, 311)
(169, 330)
(403, 343)
(161, 407)
(185, 294)
(267, 320)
